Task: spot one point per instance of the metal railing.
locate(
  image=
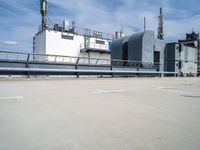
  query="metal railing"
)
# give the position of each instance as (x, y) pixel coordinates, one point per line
(47, 58)
(28, 64)
(80, 31)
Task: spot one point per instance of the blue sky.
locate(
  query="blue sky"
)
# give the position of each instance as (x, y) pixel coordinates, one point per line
(19, 19)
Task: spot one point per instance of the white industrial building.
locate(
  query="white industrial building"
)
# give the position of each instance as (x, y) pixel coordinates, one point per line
(63, 42)
(68, 40)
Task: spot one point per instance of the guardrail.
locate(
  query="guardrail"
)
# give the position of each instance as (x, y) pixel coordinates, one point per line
(80, 31)
(19, 56)
(29, 63)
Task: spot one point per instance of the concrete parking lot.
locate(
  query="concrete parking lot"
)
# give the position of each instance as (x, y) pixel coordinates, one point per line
(100, 114)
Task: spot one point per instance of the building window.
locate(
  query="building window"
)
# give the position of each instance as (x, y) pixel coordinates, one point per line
(177, 65)
(68, 37)
(100, 42)
(180, 64)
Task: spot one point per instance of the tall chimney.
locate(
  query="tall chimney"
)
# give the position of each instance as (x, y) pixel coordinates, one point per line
(44, 11)
(160, 25)
(145, 25)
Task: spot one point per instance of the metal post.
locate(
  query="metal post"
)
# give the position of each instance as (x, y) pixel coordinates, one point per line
(76, 67)
(27, 65)
(97, 61)
(55, 59)
(113, 74)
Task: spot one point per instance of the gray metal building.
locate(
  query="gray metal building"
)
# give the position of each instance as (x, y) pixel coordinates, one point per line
(181, 57)
(141, 47)
(171, 57)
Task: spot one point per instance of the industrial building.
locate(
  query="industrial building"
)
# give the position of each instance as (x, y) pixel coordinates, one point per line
(144, 49)
(140, 47)
(181, 57)
(69, 40)
(195, 37)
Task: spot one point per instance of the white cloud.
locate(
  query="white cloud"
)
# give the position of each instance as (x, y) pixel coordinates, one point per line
(95, 14)
(9, 43)
(130, 15)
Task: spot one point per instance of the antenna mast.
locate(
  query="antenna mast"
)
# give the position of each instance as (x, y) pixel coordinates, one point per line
(44, 11)
(160, 25)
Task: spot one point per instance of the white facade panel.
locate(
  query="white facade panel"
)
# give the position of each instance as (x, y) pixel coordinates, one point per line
(40, 43)
(57, 45)
(40, 46)
(91, 43)
(103, 58)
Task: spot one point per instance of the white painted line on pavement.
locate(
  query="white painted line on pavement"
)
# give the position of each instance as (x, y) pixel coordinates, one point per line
(13, 97)
(99, 91)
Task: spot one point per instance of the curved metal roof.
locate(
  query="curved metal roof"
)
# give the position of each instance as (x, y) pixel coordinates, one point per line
(136, 36)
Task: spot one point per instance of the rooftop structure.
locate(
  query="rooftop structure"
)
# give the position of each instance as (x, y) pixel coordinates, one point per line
(68, 39)
(141, 47)
(195, 37)
(181, 57)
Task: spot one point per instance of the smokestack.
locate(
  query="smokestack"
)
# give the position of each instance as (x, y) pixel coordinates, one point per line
(44, 11)
(121, 32)
(145, 25)
(160, 25)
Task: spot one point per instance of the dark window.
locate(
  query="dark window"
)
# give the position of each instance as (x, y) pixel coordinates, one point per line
(180, 48)
(180, 64)
(67, 37)
(177, 64)
(100, 42)
(156, 57)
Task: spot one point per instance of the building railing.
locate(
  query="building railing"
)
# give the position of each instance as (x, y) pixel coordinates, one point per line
(80, 31)
(60, 59)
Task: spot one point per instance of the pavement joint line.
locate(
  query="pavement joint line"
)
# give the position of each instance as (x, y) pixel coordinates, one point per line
(191, 96)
